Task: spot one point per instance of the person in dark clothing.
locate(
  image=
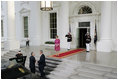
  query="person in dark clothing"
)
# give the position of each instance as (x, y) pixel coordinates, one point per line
(32, 63)
(95, 37)
(69, 40)
(88, 40)
(19, 57)
(42, 64)
(27, 42)
(19, 54)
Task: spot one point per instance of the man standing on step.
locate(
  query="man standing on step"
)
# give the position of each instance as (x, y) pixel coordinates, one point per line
(42, 64)
(32, 63)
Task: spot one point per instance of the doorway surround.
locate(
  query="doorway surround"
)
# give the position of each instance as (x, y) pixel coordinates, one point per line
(93, 18)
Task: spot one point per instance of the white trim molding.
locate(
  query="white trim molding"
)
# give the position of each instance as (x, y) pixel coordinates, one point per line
(81, 4)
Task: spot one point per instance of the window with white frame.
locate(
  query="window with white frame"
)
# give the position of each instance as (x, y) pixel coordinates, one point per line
(53, 25)
(2, 32)
(25, 26)
(85, 10)
(84, 24)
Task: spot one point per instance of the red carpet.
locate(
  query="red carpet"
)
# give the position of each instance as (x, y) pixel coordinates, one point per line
(68, 53)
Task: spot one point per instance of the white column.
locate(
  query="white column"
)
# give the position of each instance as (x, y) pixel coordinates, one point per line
(63, 27)
(35, 24)
(114, 25)
(104, 44)
(11, 43)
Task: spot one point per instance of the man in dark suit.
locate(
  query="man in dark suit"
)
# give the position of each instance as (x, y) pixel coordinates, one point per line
(41, 63)
(32, 63)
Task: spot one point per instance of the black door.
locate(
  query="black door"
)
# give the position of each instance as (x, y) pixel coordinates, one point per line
(82, 32)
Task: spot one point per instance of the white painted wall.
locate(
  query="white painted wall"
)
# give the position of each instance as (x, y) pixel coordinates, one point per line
(22, 9)
(30, 9)
(4, 18)
(63, 27)
(108, 28)
(35, 24)
(114, 26)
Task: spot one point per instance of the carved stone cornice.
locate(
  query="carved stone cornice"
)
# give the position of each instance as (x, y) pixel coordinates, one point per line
(84, 15)
(24, 10)
(24, 3)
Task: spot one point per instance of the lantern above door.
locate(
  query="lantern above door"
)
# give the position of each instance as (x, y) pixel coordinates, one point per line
(46, 5)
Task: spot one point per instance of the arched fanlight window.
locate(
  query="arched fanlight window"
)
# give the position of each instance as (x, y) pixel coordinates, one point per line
(85, 10)
(46, 5)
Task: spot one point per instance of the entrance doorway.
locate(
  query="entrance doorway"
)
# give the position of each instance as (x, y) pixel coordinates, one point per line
(84, 27)
(82, 32)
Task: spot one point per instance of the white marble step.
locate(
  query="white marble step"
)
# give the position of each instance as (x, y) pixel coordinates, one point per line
(27, 63)
(97, 65)
(2, 53)
(14, 50)
(100, 68)
(92, 76)
(79, 77)
(61, 72)
(114, 71)
(52, 61)
(10, 53)
(111, 75)
(70, 61)
(67, 65)
(8, 56)
(52, 76)
(93, 71)
(65, 71)
(5, 57)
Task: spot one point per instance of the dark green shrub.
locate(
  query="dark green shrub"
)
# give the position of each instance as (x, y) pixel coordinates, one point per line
(49, 42)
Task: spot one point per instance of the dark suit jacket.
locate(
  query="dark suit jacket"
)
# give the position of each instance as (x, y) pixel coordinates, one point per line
(41, 62)
(32, 62)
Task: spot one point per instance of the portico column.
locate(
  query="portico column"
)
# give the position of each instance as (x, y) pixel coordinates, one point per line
(63, 27)
(35, 24)
(11, 42)
(104, 44)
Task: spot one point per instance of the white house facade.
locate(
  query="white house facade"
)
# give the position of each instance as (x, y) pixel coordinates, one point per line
(24, 19)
